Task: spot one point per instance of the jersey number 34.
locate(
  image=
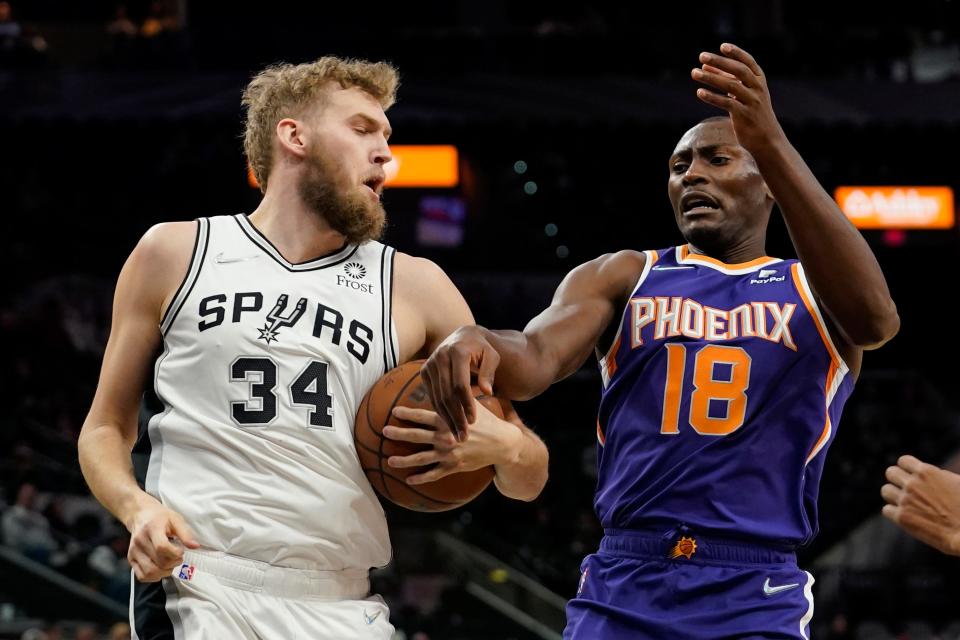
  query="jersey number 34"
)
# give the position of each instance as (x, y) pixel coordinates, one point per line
(309, 390)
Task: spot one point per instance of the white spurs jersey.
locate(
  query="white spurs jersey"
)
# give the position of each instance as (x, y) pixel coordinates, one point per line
(248, 431)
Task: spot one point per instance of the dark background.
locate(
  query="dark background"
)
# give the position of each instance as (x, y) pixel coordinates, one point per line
(103, 136)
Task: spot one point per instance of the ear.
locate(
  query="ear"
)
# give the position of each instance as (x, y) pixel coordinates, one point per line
(292, 136)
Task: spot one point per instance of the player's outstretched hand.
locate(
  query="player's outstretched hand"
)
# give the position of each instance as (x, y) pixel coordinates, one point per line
(924, 500)
(741, 90)
(492, 442)
(447, 372)
(157, 538)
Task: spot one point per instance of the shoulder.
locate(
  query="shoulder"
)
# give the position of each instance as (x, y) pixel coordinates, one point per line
(159, 262)
(415, 265)
(418, 274)
(167, 243)
(622, 263)
(608, 275)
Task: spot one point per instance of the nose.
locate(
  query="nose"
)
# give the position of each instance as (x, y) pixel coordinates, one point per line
(382, 154)
(694, 173)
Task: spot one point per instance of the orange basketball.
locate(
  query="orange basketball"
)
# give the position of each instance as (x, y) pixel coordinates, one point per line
(403, 387)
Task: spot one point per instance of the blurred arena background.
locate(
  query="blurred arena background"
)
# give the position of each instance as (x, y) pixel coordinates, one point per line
(114, 117)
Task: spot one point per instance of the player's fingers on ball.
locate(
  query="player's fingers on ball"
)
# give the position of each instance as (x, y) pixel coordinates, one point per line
(454, 417)
(420, 416)
(428, 374)
(430, 476)
(404, 434)
(891, 494)
(414, 460)
(462, 412)
(443, 440)
(443, 391)
(461, 369)
(489, 362)
(897, 476)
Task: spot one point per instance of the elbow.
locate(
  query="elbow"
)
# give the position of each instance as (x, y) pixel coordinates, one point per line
(536, 489)
(878, 329)
(527, 492)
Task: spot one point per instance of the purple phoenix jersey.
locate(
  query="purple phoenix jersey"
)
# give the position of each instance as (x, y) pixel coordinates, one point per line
(722, 392)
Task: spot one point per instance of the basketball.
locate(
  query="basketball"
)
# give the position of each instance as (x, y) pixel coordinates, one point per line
(403, 387)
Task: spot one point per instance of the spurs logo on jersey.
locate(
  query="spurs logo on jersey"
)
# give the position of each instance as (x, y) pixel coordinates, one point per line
(276, 319)
(250, 435)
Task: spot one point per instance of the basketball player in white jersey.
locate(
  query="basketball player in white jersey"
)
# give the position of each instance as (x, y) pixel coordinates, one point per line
(255, 338)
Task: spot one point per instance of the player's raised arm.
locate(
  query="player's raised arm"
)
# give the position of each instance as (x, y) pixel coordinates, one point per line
(146, 283)
(839, 264)
(552, 346)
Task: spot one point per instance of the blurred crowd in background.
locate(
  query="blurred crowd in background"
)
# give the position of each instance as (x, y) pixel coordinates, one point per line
(77, 192)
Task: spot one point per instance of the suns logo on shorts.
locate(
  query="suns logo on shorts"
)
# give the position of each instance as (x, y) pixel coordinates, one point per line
(685, 547)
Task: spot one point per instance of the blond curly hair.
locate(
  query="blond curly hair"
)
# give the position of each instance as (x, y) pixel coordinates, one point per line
(287, 90)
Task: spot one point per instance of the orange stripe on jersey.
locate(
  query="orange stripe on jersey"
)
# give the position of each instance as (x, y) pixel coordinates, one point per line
(821, 329)
(686, 254)
(827, 427)
(611, 363)
(654, 256)
(600, 437)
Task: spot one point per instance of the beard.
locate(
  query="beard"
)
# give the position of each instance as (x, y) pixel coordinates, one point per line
(352, 214)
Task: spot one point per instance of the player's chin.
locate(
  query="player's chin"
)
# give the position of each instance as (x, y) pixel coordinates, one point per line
(701, 230)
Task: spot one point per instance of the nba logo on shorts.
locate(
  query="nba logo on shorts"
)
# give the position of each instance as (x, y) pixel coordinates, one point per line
(186, 571)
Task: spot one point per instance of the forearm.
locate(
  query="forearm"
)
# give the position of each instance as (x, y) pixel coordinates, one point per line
(106, 466)
(837, 260)
(525, 371)
(524, 474)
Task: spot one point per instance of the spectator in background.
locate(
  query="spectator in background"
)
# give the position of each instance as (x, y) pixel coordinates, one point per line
(86, 632)
(159, 20)
(24, 527)
(16, 43)
(119, 631)
(109, 562)
(121, 27)
(10, 29)
(924, 500)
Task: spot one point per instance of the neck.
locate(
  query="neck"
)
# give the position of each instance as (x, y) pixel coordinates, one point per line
(297, 232)
(744, 250)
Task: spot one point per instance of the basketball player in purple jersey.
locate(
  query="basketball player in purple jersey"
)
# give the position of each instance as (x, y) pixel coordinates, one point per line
(724, 375)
